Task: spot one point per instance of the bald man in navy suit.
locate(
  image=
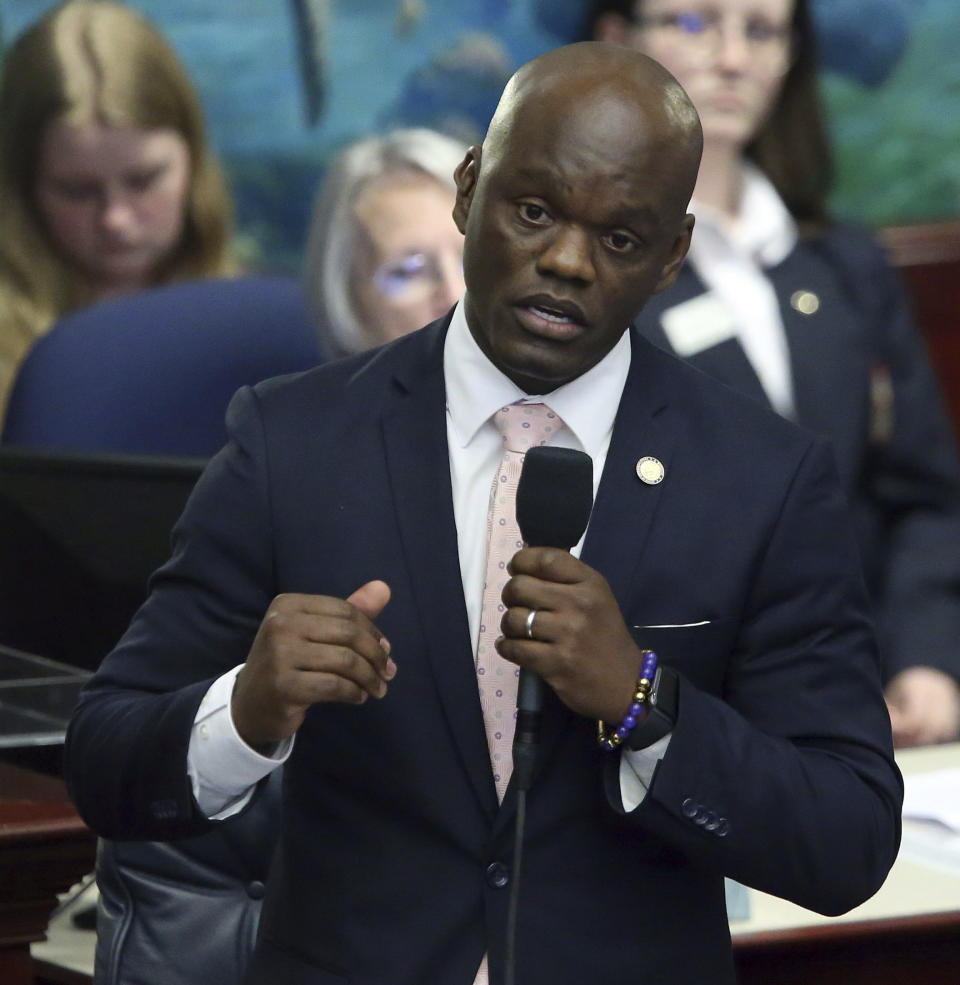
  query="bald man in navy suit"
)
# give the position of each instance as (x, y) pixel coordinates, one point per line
(322, 607)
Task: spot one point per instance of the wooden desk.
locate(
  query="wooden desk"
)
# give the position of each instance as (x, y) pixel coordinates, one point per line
(907, 934)
(44, 849)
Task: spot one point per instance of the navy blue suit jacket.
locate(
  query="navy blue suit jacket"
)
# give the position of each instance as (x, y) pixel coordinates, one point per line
(862, 378)
(393, 847)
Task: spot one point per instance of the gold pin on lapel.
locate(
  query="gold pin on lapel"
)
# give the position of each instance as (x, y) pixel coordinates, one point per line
(650, 470)
(806, 302)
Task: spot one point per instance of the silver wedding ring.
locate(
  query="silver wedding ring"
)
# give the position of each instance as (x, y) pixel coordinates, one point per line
(531, 615)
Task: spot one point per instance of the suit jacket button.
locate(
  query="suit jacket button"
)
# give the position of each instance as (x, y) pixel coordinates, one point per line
(255, 889)
(498, 875)
(711, 821)
(723, 828)
(690, 809)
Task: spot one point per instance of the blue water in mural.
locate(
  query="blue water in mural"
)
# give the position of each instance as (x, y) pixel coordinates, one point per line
(244, 56)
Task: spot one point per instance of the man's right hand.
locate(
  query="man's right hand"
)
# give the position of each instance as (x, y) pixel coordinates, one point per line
(310, 649)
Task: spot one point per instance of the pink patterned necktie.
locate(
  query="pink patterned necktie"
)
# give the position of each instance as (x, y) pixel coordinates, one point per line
(522, 426)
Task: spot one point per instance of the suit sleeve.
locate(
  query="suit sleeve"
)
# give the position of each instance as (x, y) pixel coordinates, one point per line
(786, 781)
(126, 747)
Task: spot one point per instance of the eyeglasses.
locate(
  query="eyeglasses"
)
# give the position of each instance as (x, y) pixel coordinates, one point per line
(410, 278)
(706, 29)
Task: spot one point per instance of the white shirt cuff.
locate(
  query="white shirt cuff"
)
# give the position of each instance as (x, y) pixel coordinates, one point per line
(223, 769)
(636, 772)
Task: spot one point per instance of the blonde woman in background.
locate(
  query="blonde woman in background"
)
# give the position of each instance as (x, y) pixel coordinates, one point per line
(106, 176)
(384, 256)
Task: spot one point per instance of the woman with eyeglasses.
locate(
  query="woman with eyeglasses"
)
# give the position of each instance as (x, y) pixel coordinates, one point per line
(384, 256)
(779, 301)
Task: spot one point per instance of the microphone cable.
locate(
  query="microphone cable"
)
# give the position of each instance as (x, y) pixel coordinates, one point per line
(554, 500)
(518, 833)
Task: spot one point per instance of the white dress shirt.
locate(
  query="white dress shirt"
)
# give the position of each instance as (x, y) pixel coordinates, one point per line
(223, 769)
(730, 258)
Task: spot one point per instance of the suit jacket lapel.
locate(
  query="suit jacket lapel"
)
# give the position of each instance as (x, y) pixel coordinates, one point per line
(415, 436)
(826, 354)
(726, 361)
(625, 505)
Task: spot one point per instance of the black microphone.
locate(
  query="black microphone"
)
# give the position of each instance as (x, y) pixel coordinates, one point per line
(554, 499)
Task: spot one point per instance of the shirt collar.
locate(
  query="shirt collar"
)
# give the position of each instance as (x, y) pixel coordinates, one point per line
(763, 229)
(476, 389)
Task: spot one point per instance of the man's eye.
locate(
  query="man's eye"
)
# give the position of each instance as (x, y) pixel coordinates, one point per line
(621, 242)
(532, 212)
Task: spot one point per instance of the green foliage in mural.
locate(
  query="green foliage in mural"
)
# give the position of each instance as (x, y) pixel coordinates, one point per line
(897, 146)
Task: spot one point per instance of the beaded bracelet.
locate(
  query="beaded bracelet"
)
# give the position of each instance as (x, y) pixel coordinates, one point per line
(613, 740)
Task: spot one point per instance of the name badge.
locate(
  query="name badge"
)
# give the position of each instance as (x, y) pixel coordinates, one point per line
(698, 324)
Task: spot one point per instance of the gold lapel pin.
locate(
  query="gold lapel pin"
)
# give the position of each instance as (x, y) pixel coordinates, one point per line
(806, 302)
(650, 470)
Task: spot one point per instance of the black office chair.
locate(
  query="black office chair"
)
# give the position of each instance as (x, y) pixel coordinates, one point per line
(185, 912)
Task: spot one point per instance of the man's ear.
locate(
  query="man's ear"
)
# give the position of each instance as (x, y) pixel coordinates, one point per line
(677, 253)
(468, 170)
(612, 28)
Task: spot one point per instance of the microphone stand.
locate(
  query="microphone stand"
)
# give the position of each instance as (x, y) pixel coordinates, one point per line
(526, 744)
(554, 499)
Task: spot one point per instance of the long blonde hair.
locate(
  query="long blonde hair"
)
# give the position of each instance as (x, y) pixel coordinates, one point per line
(90, 61)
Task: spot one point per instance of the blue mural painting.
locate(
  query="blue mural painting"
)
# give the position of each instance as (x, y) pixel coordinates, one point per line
(892, 86)
(286, 83)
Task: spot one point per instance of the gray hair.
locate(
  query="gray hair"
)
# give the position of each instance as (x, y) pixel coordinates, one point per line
(333, 237)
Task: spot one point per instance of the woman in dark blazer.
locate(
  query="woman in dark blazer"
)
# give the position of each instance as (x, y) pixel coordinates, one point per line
(805, 314)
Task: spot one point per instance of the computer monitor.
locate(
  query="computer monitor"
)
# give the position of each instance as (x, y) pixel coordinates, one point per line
(80, 535)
